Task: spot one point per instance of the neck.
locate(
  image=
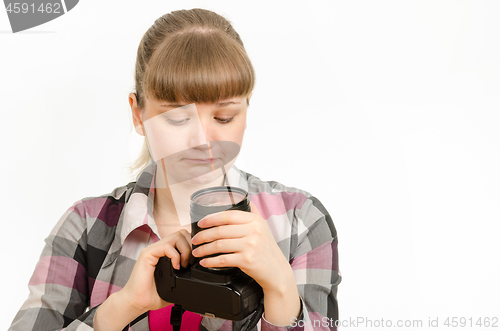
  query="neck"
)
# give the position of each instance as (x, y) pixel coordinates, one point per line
(172, 202)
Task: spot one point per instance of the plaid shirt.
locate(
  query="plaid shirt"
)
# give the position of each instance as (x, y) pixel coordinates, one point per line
(91, 251)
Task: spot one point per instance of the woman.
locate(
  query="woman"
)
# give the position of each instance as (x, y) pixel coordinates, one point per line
(193, 86)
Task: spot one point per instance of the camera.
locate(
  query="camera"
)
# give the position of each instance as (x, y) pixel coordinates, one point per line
(226, 293)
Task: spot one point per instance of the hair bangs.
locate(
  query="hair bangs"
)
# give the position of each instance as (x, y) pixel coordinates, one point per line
(199, 66)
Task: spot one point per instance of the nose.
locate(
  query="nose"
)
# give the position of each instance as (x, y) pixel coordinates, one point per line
(203, 132)
(197, 136)
(208, 131)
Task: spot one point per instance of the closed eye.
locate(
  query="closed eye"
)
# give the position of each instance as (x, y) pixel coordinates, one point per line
(224, 120)
(177, 122)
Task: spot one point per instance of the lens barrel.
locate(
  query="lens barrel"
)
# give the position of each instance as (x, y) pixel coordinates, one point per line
(213, 200)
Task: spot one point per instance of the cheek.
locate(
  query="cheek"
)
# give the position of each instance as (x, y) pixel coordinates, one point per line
(166, 140)
(161, 142)
(238, 133)
(241, 134)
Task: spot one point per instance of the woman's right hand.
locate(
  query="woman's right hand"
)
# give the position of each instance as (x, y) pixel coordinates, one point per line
(140, 290)
(139, 294)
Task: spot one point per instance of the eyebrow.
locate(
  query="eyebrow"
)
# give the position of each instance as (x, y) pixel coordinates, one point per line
(219, 104)
(172, 105)
(226, 103)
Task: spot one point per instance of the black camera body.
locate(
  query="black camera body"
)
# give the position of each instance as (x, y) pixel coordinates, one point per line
(232, 295)
(226, 293)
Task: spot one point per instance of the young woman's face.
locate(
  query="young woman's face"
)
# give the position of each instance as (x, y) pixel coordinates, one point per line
(192, 141)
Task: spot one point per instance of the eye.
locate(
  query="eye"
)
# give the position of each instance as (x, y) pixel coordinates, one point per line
(224, 120)
(177, 122)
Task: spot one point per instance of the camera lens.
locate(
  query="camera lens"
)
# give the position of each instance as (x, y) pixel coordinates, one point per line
(213, 200)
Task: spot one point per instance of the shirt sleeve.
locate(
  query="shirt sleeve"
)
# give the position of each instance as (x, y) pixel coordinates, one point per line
(59, 291)
(315, 265)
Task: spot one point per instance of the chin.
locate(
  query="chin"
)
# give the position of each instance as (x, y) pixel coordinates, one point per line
(207, 178)
(196, 177)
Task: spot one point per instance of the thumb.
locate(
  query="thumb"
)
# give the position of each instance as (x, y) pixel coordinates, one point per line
(253, 209)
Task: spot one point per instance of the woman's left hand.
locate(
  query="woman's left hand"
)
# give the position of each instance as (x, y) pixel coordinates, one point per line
(247, 243)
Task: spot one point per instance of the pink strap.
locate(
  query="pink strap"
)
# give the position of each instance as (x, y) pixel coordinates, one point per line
(159, 320)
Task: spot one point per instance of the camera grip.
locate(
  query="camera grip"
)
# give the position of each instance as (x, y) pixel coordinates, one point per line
(164, 275)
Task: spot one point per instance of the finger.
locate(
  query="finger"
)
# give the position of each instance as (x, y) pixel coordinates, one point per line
(186, 235)
(192, 259)
(221, 232)
(220, 246)
(223, 260)
(185, 250)
(225, 218)
(175, 247)
(253, 209)
(151, 254)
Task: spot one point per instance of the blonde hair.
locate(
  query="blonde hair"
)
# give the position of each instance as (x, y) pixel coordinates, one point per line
(190, 56)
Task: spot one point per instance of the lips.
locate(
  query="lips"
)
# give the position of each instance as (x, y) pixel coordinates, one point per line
(198, 161)
(202, 161)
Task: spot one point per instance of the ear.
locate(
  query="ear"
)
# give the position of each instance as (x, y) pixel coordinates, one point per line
(136, 114)
(248, 98)
(248, 104)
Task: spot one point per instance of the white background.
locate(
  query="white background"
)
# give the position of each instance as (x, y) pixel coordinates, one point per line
(387, 111)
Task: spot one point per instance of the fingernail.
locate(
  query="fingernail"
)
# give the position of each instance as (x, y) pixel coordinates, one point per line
(200, 223)
(202, 262)
(194, 252)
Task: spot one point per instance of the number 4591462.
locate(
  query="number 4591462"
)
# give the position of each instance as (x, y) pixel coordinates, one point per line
(49, 8)
(484, 322)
